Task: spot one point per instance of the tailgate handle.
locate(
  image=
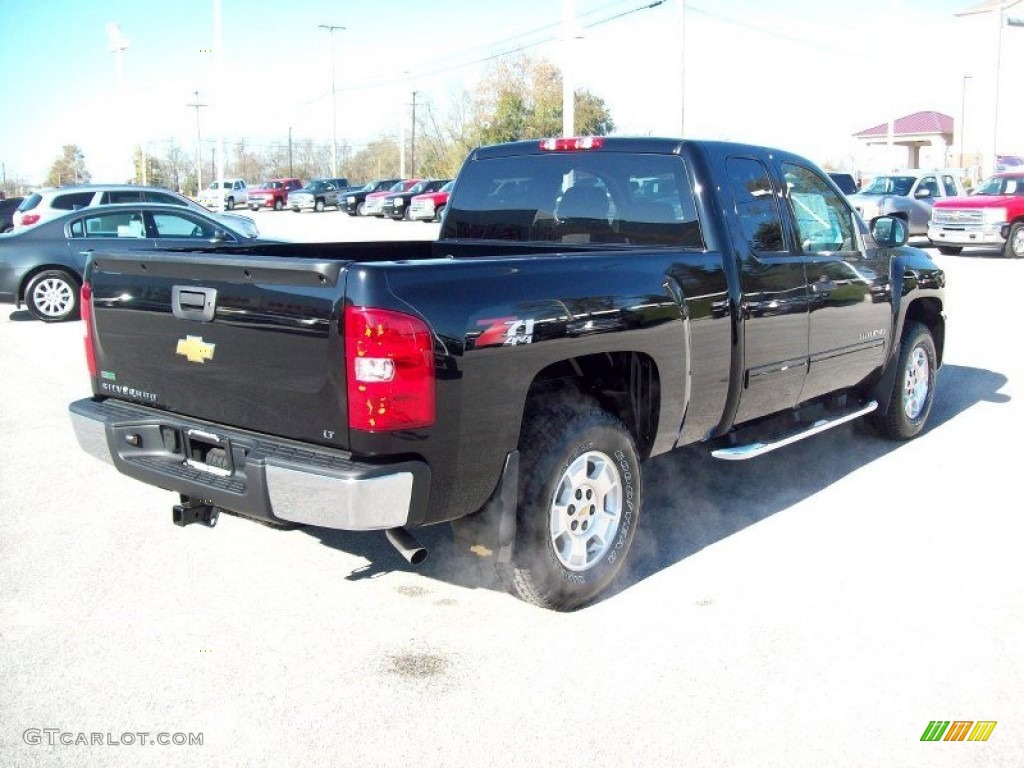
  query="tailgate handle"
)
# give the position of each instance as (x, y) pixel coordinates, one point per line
(189, 302)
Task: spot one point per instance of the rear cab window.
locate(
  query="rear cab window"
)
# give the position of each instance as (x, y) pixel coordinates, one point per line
(621, 199)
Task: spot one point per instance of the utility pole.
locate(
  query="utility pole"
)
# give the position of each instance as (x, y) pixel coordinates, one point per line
(568, 68)
(334, 103)
(412, 142)
(290, 171)
(199, 145)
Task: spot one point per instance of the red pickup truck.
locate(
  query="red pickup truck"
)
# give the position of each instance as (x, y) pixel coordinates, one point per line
(430, 205)
(991, 217)
(272, 193)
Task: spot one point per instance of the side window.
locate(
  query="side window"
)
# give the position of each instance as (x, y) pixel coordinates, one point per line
(949, 185)
(928, 183)
(121, 224)
(77, 228)
(175, 225)
(121, 196)
(72, 201)
(757, 207)
(161, 197)
(824, 223)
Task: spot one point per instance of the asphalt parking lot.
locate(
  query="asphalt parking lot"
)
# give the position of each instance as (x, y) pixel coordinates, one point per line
(816, 607)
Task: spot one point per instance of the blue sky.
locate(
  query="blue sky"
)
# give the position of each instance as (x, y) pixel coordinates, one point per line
(800, 74)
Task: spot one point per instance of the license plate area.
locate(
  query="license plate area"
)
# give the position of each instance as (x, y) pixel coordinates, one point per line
(208, 452)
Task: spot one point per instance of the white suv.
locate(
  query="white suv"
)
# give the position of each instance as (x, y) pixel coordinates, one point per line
(235, 193)
(46, 204)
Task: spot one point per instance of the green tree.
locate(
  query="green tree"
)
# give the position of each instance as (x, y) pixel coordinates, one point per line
(69, 168)
(154, 175)
(521, 98)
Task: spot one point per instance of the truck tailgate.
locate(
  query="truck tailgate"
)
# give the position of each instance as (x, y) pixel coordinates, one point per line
(245, 340)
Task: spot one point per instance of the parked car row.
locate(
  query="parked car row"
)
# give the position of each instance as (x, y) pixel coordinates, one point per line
(50, 202)
(397, 198)
(934, 204)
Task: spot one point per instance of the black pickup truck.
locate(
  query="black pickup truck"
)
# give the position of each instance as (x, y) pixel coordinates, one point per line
(590, 303)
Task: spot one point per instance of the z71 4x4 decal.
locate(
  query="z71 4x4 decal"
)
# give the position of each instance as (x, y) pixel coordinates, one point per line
(505, 332)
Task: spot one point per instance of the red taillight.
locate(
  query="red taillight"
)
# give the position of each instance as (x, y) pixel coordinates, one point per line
(85, 308)
(29, 218)
(572, 144)
(389, 361)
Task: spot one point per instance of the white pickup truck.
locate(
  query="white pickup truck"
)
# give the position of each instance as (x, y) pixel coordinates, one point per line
(235, 192)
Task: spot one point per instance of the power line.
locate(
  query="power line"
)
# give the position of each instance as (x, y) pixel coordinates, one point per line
(491, 57)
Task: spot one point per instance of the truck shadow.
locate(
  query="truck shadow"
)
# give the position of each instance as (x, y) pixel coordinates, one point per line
(691, 499)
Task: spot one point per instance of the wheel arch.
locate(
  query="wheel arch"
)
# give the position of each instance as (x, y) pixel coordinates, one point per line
(928, 311)
(627, 384)
(27, 278)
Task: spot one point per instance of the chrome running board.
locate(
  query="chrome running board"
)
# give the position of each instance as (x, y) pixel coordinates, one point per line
(755, 449)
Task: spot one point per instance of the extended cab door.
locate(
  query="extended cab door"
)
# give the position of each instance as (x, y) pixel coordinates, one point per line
(849, 286)
(774, 306)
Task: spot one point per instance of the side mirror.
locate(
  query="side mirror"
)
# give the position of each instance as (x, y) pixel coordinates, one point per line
(922, 192)
(889, 232)
(220, 236)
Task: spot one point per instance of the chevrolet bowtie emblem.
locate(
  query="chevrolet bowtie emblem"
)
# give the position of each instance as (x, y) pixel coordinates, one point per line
(195, 349)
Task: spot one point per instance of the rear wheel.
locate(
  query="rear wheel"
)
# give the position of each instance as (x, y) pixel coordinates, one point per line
(1014, 248)
(52, 296)
(439, 213)
(278, 204)
(361, 209)
(913, 390)
(231, 204)
(579, 504)
(318, 206)
(949, 250)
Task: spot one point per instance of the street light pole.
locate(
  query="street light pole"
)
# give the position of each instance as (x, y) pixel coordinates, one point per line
(334, 102)
(963, 120)
(199, 146)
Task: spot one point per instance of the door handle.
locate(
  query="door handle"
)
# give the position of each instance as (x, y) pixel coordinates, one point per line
(87, 252)
(193, 303)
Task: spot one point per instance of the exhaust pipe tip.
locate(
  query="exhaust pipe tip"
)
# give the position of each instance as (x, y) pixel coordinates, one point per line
(407, 545)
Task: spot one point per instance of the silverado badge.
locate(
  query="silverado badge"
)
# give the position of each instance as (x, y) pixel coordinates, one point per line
(195, 349)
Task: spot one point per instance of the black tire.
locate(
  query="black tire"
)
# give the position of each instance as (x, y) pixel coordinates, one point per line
(913, 389)
(230, 204)
(1014, 248)
(405, 214)
(52, 296)
(439, 213)
(361, 209)
(318, 206)
(580, 472)
(278, 204)
(949, 250)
